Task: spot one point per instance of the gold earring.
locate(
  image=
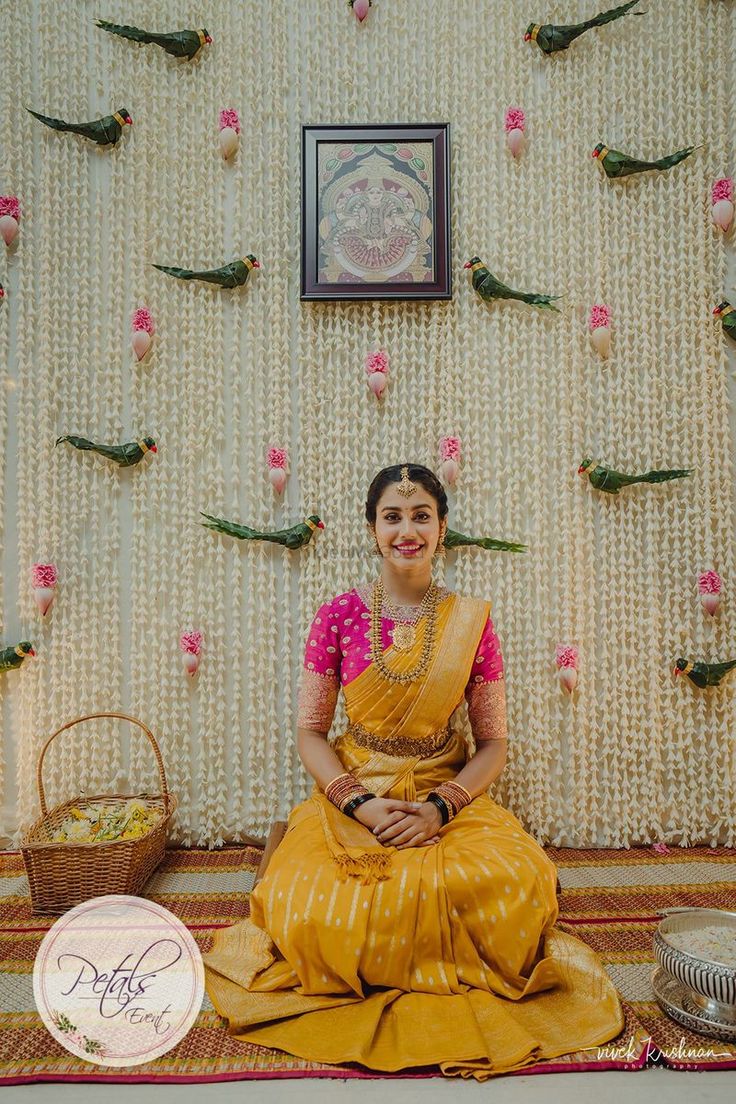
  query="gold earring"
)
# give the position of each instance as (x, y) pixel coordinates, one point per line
(440, 550)
(377, 548)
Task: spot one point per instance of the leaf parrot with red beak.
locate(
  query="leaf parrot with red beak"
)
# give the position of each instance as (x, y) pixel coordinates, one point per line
(14, 655)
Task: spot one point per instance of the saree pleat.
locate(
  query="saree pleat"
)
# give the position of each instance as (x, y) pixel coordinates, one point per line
(446, 954)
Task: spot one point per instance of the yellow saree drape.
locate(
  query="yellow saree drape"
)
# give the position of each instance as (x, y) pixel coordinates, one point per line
(446, 954)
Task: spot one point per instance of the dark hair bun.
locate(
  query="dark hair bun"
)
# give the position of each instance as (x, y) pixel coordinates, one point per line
(418, 474)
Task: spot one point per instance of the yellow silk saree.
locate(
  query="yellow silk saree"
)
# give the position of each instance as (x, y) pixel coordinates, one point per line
(443, 955)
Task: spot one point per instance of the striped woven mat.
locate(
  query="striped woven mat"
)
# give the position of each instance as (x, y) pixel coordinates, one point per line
(610, 899)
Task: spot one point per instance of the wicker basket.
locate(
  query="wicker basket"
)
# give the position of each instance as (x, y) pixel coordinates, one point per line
(62, 875)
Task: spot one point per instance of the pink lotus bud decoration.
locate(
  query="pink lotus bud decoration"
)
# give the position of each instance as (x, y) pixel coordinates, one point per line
(661, 848)
(722, 200)
(599, 324)
(143, 330)
(360, 8)
(566, 658)
(229, 131)
(709, 588)
(376, 365)
(450, 457)
(43, 580)
(514, 124)
(9, 218)
(277, 460)
(191, 645)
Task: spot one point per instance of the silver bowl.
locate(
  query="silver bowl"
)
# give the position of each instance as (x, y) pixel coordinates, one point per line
(710, 985)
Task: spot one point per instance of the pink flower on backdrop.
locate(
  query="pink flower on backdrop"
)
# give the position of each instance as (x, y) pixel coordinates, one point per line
(600, 315)
(515, 119)
(722, 189)
(566, 655)
(191, 642)
(450, 448)
(376, 362)
(661, 848)
(229, 117)
(143, 320)
(10, 205)
(710, 582)
(277, 457)
(44, 575)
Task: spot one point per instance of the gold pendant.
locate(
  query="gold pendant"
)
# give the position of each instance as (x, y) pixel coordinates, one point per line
(404, 636)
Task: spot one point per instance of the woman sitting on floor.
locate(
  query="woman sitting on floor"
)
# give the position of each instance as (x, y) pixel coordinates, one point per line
(406, 918)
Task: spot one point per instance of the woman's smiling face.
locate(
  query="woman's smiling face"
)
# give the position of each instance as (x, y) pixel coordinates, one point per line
(407, 529)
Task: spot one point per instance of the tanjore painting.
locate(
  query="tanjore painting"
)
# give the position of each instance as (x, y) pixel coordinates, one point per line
(375, 212)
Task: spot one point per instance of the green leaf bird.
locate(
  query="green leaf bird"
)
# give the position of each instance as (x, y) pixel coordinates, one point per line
(550, 37)
(230, 275)
(727, 315)
(180, 44)
(703, 674)
(618, 164)
(125, 455)
(14, 655)
(105, 131)
(295, 537)
(488, 287)
(610, 481)
(453, 539)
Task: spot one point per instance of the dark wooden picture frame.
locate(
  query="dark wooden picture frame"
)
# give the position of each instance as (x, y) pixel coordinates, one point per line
(376, 202)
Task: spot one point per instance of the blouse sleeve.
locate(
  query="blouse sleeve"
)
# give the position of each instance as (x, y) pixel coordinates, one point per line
(485, 692)
(320, 677)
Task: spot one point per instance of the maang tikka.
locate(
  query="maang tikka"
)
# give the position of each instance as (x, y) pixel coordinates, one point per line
(406, 487)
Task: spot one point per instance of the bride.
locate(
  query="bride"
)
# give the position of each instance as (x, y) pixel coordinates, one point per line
(406, 918)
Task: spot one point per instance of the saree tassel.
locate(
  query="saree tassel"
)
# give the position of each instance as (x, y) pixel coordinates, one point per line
(709, 588)
(367, 869)
(355, 851)
(722, 200)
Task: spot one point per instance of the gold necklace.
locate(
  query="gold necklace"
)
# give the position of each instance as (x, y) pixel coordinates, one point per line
(432, 599)
(405, 632)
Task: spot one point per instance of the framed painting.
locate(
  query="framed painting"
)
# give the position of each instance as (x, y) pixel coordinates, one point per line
(376, 212)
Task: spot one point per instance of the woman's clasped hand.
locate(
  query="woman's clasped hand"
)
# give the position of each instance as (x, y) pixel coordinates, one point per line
(397, 823)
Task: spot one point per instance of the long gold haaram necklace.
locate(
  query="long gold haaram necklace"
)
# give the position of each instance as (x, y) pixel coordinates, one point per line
(404, 633)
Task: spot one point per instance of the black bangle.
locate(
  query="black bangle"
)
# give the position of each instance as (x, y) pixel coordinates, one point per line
(354, 802)
(439, 801)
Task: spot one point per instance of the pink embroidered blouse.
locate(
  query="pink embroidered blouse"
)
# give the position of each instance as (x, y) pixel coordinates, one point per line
(338, 649)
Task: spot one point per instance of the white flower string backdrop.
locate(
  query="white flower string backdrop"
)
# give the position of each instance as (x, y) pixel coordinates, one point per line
(632, 755)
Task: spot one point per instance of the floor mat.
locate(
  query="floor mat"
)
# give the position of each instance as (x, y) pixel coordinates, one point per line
(610, 899)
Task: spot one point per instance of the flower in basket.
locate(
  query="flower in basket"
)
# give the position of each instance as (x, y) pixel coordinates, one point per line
(111, 822)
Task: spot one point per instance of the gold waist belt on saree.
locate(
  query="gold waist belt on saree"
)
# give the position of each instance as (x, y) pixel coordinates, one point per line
(400, 745)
